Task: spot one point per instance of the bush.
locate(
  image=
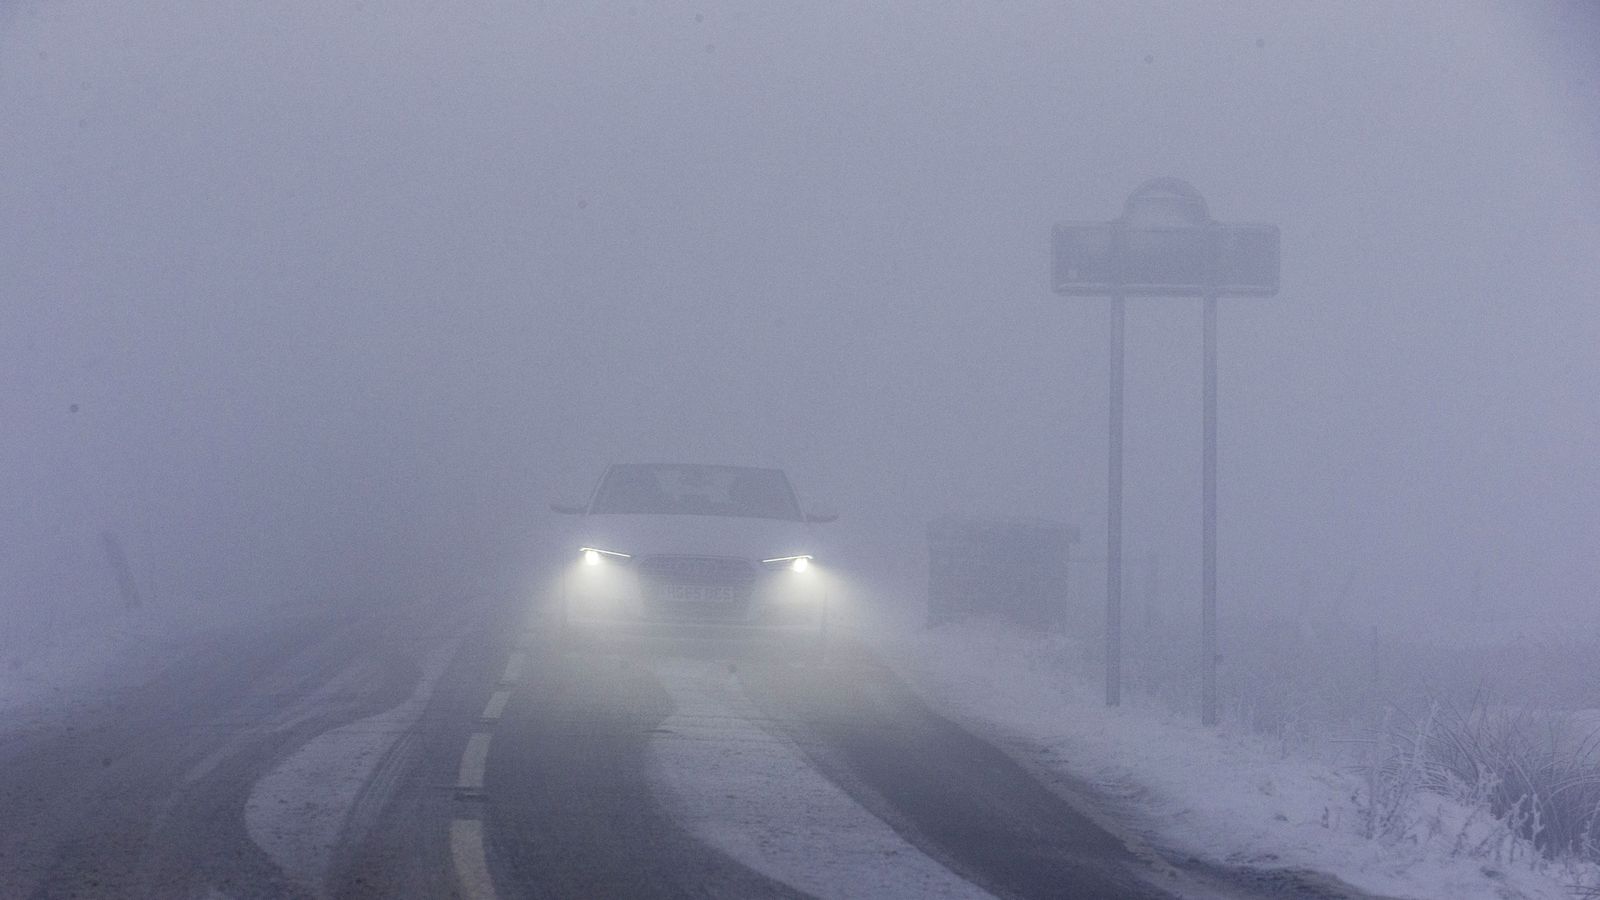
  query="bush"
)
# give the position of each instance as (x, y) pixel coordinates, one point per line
(1526, 771)
(1536, 770)
(1536, 773)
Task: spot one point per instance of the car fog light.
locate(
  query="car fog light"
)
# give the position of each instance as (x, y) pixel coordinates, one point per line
(594, 556)
(799, 563)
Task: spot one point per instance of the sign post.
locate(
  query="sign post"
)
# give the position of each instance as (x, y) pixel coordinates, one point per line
(1208, 518)
(1119, 310)
(1165, 245)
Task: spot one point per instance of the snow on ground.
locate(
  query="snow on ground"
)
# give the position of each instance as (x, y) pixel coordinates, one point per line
(1224, 796)
(43, 679)
(755, 797)
(300, 811)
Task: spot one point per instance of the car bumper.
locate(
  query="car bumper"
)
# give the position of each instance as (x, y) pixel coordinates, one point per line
(772, 602)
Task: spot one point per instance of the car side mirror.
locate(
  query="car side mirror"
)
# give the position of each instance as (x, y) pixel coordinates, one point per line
(821, 516)
(566, 509)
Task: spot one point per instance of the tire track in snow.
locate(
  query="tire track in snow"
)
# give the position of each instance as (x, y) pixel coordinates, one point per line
(753, 796)
(334, 785)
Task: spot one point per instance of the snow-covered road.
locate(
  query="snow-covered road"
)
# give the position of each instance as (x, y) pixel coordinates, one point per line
(450, 748)
(251, 763)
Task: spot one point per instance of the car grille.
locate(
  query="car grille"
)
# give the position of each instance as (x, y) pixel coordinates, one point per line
(696, 586)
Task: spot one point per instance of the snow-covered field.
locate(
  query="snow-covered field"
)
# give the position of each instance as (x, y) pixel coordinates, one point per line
(1226, 795)
(46, 676)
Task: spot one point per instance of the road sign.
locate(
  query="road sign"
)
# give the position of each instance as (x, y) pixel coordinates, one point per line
(1164, 245)
(1103, 258)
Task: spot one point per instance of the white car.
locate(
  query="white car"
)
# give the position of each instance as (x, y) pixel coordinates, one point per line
(702, 549)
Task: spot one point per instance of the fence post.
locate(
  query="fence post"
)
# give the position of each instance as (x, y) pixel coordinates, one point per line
(120, 569)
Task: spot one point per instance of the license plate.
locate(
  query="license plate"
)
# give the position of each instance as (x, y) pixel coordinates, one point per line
(698, 593)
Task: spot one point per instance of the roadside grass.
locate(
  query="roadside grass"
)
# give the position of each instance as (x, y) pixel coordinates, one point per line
(1507, 729)
(1533, 774)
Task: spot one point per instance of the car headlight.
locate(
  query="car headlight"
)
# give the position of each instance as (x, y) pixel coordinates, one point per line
(792, 563)
(594, 556)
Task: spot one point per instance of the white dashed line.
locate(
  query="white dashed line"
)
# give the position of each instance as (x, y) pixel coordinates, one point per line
(513, 672)
(472, 762)
(472, 867)
(496, 706)
(466, 835)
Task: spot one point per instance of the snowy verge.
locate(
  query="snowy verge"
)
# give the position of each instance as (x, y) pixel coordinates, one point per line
(71, 669)
(1225, 797)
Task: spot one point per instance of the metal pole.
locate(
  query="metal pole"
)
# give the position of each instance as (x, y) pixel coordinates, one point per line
(1152, 589)
(1208, 528)
(1114, 515)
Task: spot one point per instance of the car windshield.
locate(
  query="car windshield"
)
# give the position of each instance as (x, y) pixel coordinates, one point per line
(691, 490)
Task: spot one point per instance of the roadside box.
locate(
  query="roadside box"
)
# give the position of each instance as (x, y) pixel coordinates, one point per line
(1012, 570)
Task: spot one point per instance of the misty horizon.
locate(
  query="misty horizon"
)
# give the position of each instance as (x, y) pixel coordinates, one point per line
(330, 306)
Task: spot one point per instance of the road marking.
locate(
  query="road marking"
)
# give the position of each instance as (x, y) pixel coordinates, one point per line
(513, 672)
(472, 762)
(496, 706)
(472, 866)
(466, 835)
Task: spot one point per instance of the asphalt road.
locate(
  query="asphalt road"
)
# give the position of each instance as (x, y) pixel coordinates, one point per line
(446, 749)
(142, 793)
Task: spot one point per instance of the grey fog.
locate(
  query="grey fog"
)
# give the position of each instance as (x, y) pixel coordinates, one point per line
(628, 449)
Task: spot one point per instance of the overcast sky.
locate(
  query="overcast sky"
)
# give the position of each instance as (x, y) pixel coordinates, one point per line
(295, 295)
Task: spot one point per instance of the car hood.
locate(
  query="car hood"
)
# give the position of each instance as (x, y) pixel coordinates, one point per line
(650, 535)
